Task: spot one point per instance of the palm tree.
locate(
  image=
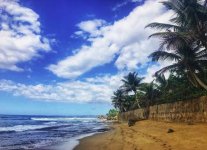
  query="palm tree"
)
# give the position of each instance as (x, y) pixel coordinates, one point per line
(150, 91)
(150, 95)
(186, 58)
(162, 81)
(118, 100)
(185, 39)
(190, 18)
(131, 83)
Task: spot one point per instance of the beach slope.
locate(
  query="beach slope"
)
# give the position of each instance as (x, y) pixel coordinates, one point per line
(149, 135)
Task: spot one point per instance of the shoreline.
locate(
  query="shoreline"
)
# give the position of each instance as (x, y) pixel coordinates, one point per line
(94, 135)
(148, 135)
(72, 143)
(91, 137)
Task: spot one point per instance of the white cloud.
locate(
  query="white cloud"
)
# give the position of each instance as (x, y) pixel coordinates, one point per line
(91, 27)
(20, 35)
(119, 5)
(125, 38)
(98, 89)
(124, 3)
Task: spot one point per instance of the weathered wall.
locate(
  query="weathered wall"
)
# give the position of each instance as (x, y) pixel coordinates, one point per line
(184, 111)
(138, 114)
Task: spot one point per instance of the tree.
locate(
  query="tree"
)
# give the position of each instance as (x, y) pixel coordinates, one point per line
(112, 114)
(179, 88)
(185, 58)
(190, 18)
(118, 100)
(185, 39)
(151, 93)
(162, 82)
(131, 83)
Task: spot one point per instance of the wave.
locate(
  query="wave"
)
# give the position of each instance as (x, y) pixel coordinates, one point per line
(50, 123)
(19, 128)
(64, 119)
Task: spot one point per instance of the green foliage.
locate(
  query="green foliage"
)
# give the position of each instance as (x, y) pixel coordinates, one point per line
(184, 44)
(179, 88)
(112, 113)
(131, 82)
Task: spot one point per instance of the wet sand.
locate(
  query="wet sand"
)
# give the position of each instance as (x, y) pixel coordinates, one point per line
(149, 135)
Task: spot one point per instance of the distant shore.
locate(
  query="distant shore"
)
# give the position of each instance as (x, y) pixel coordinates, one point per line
(148, 135)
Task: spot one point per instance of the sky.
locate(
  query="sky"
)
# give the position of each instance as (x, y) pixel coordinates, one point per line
(60, 57)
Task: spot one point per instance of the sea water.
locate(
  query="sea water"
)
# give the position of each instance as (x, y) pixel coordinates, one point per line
(45, 132)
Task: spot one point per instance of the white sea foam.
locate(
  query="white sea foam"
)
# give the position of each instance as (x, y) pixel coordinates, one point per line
(50, 123)
(63, 119)
(19, 128)
(73, 142)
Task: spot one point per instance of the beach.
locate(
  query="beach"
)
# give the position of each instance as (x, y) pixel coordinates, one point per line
(149, 135)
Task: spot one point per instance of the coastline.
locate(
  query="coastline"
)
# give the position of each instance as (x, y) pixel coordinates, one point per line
(148, 135)
(72, 143)
(85, 143)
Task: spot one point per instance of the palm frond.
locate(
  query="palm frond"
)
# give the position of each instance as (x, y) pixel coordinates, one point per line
(162, 55)
(161, 26)
(168, 68)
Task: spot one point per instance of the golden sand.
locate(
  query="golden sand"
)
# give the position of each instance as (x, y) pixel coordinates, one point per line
(149, 135)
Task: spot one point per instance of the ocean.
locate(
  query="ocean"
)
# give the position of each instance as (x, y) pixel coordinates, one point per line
(46, 132)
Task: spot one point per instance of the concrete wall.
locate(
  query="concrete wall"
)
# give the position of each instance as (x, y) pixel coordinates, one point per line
(184, 111)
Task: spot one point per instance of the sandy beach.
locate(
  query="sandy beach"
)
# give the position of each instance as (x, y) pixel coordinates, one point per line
(149, 135)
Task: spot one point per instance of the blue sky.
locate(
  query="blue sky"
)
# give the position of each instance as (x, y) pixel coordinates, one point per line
(60, 57)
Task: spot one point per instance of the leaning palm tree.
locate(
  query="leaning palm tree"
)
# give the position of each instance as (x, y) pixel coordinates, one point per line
(187, 58)
(190, 18)
(131, 83)
(185, 38)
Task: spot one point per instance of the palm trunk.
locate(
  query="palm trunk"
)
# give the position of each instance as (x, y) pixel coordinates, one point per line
(192, 79)
(201, 83)
(137, 100)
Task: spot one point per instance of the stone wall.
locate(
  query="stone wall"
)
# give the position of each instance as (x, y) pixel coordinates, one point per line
(183, 111)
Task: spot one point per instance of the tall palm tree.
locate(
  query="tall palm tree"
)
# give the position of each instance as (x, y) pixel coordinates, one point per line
(185, 39)
(118, 100)
(186, 58)
(131, 83)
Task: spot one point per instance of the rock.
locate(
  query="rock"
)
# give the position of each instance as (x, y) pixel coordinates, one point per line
(190, 123)
(131, 122)
(170, 131)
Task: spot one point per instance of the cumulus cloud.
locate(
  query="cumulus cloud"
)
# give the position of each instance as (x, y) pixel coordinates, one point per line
(20, 35)
(91, 27)
(125, 38)
(97, 89)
